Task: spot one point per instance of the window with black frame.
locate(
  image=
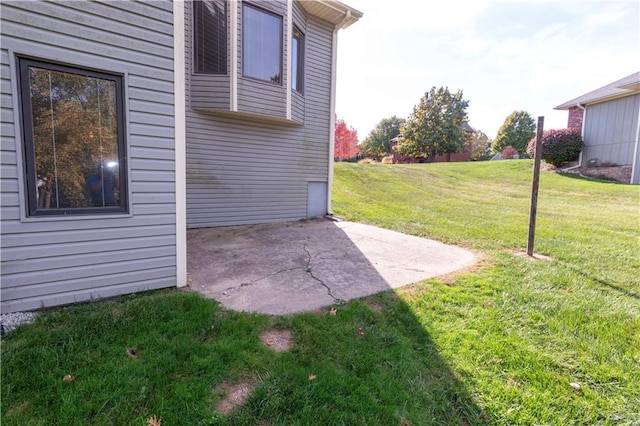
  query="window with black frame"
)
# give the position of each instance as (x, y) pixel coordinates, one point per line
(73, 129)
(297, 60)
(261, 44)
(210, 36)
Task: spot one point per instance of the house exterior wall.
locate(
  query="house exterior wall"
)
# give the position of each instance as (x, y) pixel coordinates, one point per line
(575, 119)
(254, 165)
(454, 157)
(611, 131)
(58, 260)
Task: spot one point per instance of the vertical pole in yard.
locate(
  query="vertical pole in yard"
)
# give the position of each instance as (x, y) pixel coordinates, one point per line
(534, 187)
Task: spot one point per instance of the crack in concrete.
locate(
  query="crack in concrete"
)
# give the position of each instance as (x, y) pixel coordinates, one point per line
(310, 272)
(254, 282)
(306, 269)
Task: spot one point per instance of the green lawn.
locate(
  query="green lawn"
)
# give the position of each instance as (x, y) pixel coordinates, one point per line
(499, 344)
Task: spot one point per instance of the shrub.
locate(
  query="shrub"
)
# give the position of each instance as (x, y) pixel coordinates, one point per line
(558, 146)
(509, 153)
(366, 161)
(387, 160)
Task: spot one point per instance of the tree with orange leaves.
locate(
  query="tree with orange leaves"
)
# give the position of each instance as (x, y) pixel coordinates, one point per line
(346, 141)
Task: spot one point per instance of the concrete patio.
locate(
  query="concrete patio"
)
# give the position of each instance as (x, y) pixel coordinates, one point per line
(301, 266)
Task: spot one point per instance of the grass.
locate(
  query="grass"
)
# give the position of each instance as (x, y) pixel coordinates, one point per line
(496, 345)
(186, 346)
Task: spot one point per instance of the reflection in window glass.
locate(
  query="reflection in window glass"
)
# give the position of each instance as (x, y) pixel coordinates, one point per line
(73, 137)
(261, 45)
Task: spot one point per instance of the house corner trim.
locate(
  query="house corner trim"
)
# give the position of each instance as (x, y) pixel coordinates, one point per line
(180, 141)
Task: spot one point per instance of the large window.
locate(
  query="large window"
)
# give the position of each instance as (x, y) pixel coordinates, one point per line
(73, 127)
(297, 60)
(210, 41)
(261, 44)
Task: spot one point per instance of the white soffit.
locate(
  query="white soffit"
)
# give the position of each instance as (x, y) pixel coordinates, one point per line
(332, 11)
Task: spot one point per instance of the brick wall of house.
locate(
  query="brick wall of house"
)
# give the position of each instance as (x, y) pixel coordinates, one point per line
(455, 157)
(575, 119)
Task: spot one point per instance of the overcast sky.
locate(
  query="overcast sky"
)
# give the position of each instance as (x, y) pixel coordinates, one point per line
(527, 55)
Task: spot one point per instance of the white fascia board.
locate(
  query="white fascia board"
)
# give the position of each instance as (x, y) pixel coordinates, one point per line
(233, 55)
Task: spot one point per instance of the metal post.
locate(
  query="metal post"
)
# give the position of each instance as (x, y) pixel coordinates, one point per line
(534, 187)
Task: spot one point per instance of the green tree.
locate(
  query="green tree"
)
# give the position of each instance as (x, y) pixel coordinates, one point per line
(434, 126)
(480, 146)
(516, 131)
(377, 142)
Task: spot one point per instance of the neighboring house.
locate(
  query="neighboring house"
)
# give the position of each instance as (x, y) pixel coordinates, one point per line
(607, 119)
(453, 157)
(123, 123)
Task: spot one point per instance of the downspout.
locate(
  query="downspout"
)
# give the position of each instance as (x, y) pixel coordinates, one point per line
(584, 120)
(332, 105)
(584, 115)
(636, 152)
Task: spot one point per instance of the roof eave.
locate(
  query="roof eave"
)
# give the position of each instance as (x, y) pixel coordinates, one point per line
(622, 88)
(575, 102)
(333, 11)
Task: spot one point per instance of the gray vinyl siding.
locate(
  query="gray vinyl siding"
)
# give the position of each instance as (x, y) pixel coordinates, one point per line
(53, 261)
(610, 131)
(257, 97)
(245, 169)
(297, 107)
(210, 92)
(299, 17)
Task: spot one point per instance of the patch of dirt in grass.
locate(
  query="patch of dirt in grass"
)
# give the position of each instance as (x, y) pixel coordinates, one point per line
(481, 261)
(374, 304)
(235, 395)
(278, 340)
(513, 382)
(18, 410)
(132, 352)
(535, 256)
(116, 313)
